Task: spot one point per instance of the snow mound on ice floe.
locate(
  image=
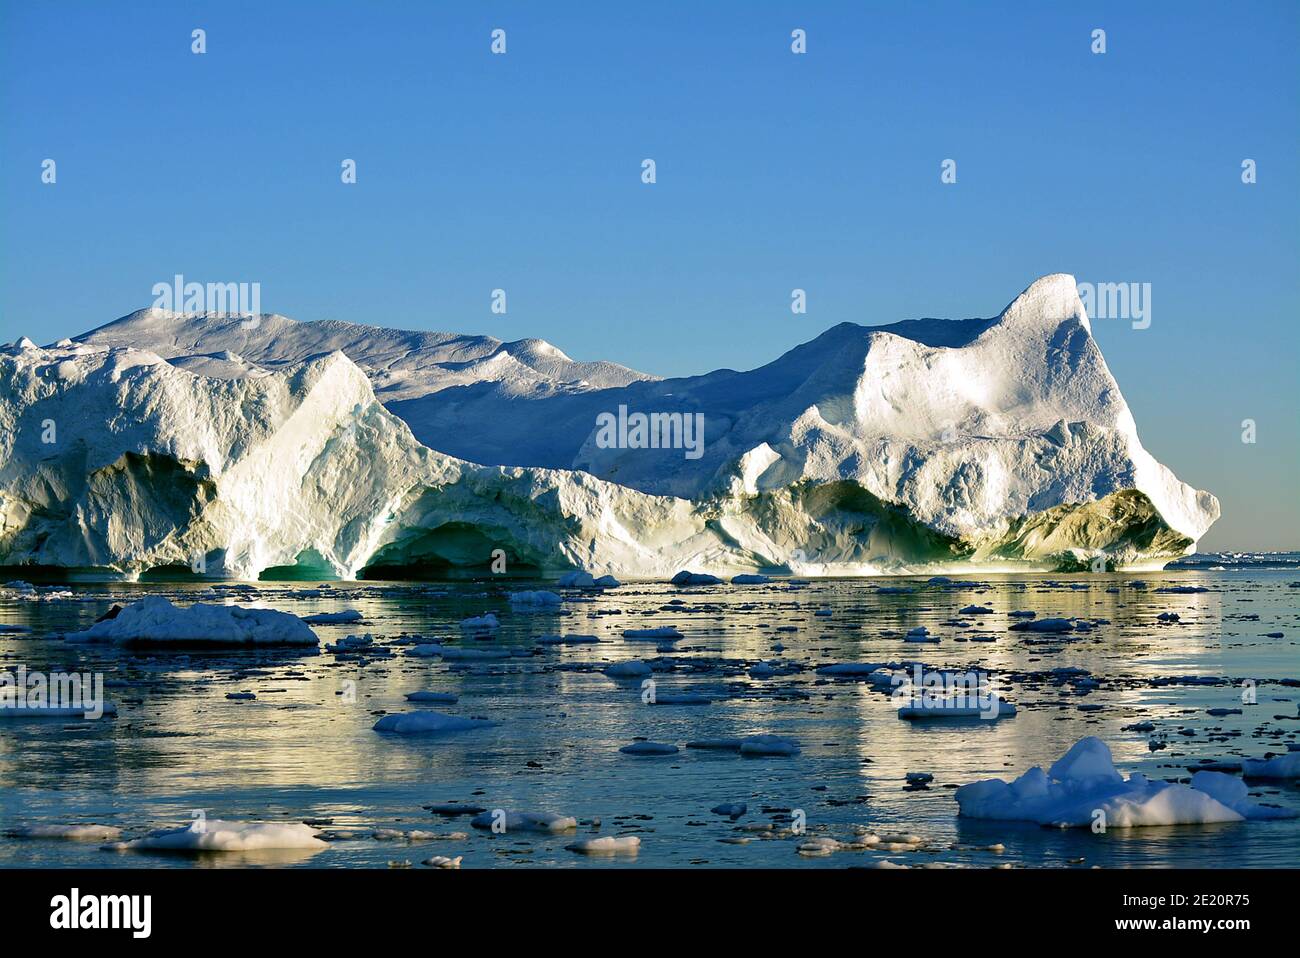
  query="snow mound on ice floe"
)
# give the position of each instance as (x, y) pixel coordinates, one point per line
(426, 721)
(1085, 782)
(155, 619)
(1232, 791)
(218, 836)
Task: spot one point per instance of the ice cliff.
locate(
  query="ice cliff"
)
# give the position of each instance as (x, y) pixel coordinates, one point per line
(237, 446)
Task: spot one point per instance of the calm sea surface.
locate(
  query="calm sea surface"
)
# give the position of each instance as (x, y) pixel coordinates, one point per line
(305, 747)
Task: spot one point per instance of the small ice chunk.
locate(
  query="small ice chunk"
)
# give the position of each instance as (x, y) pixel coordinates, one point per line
(535, 600)
(657, 633)
(627, 670)
(1043, 625)
(680, 698)
(500, 821)
(768, 745)
(607, 845)
(329, 618)
(649, 748)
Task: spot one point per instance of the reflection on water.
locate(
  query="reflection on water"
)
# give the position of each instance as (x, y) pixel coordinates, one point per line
(304, 748)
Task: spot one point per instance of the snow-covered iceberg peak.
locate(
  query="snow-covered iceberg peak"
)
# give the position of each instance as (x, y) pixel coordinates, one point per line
(232, 446)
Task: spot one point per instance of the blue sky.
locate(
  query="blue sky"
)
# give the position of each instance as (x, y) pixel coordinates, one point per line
(774, 170)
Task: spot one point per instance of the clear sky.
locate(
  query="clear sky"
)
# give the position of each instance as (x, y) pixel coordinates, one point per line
(774, 171)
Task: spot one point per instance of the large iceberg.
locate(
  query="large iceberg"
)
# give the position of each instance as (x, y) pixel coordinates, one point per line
(233, 447)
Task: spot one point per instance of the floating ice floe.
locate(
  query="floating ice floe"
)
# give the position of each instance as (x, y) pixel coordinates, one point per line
(480, 623)
(628, 670)
(210, 835)
(655, 634)
(498, 820)
(732, 810)
(584, 580)
(694, 578)
(425, 722)
(608, 845)
(351, 643)
(749, 579)
(1283, 766)
(537, 599)
(567, 639)
(442, 861)
(649, 748)
(760, 745)
(154, 619)
(680, 698)
(72, 833)
(1043, 625)
(1084, 787)
(331, 618)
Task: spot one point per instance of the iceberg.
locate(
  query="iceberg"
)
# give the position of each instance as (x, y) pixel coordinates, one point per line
(155, 620)
(168, 441)
(1084, 787)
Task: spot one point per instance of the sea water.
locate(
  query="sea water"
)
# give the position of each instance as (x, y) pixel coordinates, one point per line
(305, 747)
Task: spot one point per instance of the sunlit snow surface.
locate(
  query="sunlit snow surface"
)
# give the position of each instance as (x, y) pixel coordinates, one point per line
(306, 749)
